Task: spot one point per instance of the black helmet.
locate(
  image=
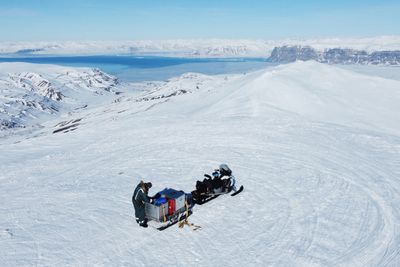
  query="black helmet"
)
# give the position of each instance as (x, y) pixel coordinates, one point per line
(148, 185)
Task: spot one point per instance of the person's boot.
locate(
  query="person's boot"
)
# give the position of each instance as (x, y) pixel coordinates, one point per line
(144, 223)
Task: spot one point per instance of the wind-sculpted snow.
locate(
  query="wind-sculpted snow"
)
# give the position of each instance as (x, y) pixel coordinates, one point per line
(316, 147)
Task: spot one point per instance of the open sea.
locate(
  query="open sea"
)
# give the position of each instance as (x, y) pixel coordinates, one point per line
(150, 68)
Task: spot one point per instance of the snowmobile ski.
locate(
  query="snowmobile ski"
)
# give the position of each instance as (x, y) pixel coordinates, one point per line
(215, 195)
(238, 192)
(207, 200)
(183, 217)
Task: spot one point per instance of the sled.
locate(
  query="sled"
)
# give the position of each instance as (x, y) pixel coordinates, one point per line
(168, 208)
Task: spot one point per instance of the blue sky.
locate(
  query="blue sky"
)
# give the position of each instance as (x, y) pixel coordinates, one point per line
(48, 20)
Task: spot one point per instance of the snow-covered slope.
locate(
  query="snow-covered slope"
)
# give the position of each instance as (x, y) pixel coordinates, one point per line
(317, 92)
(316, 147)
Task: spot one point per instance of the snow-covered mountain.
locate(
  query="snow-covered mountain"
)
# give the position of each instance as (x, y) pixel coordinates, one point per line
(29, 92)
(316, 147)
(287, 54)
(196, 48)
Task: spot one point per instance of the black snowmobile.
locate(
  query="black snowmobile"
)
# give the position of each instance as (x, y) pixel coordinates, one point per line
(221, 182)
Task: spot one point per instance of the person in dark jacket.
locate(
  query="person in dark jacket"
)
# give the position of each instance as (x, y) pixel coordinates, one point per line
(140, 196)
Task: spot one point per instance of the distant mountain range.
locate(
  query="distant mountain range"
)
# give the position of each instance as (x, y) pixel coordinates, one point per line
(287, 54)
(195, 48)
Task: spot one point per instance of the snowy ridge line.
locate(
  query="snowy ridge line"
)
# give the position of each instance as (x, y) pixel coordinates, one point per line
(196, 48)
(187, 83)
(257, 83)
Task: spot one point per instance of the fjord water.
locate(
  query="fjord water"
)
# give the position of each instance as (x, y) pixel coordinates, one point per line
(149, 68)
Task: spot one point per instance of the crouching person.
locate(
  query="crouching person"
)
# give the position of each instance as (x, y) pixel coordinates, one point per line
(140, 196)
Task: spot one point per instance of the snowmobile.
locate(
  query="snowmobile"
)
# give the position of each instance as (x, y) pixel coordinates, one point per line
(171, 206)
(220, 183)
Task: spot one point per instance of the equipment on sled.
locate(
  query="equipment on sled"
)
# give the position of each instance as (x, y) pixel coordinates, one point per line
(169, 206)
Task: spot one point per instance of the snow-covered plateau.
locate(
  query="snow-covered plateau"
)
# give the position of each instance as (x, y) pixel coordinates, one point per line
(317, 148)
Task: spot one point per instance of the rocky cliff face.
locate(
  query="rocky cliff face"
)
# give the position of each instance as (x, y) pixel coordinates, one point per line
(35, 83)
(286, 54)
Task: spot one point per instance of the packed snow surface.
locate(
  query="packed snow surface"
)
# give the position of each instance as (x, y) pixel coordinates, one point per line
(316, 147)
